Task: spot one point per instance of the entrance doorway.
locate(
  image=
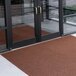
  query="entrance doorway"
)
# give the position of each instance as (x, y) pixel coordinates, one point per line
(28, 22)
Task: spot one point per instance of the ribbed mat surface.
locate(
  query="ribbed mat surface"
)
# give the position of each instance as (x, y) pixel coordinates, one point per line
(52, 58)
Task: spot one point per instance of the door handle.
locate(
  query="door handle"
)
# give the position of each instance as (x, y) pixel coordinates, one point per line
(36, 10)
(40, 9)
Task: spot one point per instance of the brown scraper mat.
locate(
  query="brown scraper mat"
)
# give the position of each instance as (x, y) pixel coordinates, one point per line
(52, 58)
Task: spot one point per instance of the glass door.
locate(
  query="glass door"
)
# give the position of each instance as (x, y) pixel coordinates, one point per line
(34, 21)
(69, 16)
(49, 17)
(23, 21)
(2, 27)
(31, 21)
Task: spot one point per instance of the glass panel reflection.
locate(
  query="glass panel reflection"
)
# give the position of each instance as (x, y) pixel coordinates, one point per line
(22, 20)
(50, 24)
(69, 11)
(2, 27)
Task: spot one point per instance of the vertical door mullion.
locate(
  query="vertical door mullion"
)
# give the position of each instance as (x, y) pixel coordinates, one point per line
(8, 23)
(61, 17)
(47, 8)
(37, 21)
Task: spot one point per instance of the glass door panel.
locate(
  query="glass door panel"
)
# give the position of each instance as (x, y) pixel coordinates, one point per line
(22, 20)
(33, 19)
(50, 16)
(69, 11)
(2, 27)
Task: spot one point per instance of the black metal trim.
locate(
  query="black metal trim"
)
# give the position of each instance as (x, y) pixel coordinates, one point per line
(50, 36)
(24, 43)
(8, 23)
(47, 8)
(37, 28)
(33, 40)
(61, 17)
(37, 21)
(37, 24)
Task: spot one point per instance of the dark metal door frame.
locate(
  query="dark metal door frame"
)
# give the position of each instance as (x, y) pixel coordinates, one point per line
(60, 7)
(61, 17)
(57, 34)
(37, 19)
(8, 23)
(37, 29)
